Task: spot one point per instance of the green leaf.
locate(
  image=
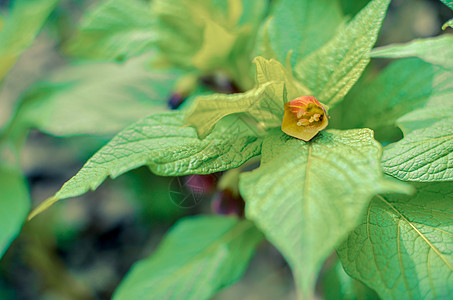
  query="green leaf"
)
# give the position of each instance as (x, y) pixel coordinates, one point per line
(168, 148)
(333, 69)
(425, 117)
(443, 87)
(253, 12)
(115, 30)
(306, 197)
(272, 70)
(403, 86)
(260, 104)
(402, 248)
(95, 98)
(218, 43)
(449, 23)
(197, 91)
(14, 205)
(263, 45)
(210, 35)
(426, 151)
(337, 285)
(19, 30)
(198, 257)
(301, 26)
(264, 104)
(438, 50)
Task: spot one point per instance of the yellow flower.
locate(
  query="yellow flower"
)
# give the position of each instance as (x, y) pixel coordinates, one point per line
(304, 117)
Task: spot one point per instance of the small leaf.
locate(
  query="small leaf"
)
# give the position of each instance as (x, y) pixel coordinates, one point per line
(261, 104)
(300, 26)
(14, 205)
(403, 86)
(268, 70)
(437, 50)
(306, 197)
(198, 257)
(168, 148)
(19, 30)
(426, 151)
(114, 30)
(333, 69)
(95, 98)
(264, 103)
(218, 43)
(403, 246)
(449, 23)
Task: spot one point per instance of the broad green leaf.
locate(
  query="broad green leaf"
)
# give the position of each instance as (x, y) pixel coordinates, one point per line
(168, 148)
(306, 197)
(95, 98)
(301, 26)
(448, 3)
(198, 257)
(403, 86)
(274, 86)
(20, 28)
(14, 205)
(403, 246)
(443, 87)
(425, 117)
(438, 50)
(333, 69)
(114, 30)
(426, 151)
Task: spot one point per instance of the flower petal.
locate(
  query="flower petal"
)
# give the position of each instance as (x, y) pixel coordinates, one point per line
(304, 117)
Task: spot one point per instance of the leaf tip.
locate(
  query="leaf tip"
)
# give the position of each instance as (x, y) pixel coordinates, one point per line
(392, 185)
(447, 24)
(42, 207)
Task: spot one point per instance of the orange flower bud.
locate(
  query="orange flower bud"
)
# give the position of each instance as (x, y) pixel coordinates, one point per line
(304, 117)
